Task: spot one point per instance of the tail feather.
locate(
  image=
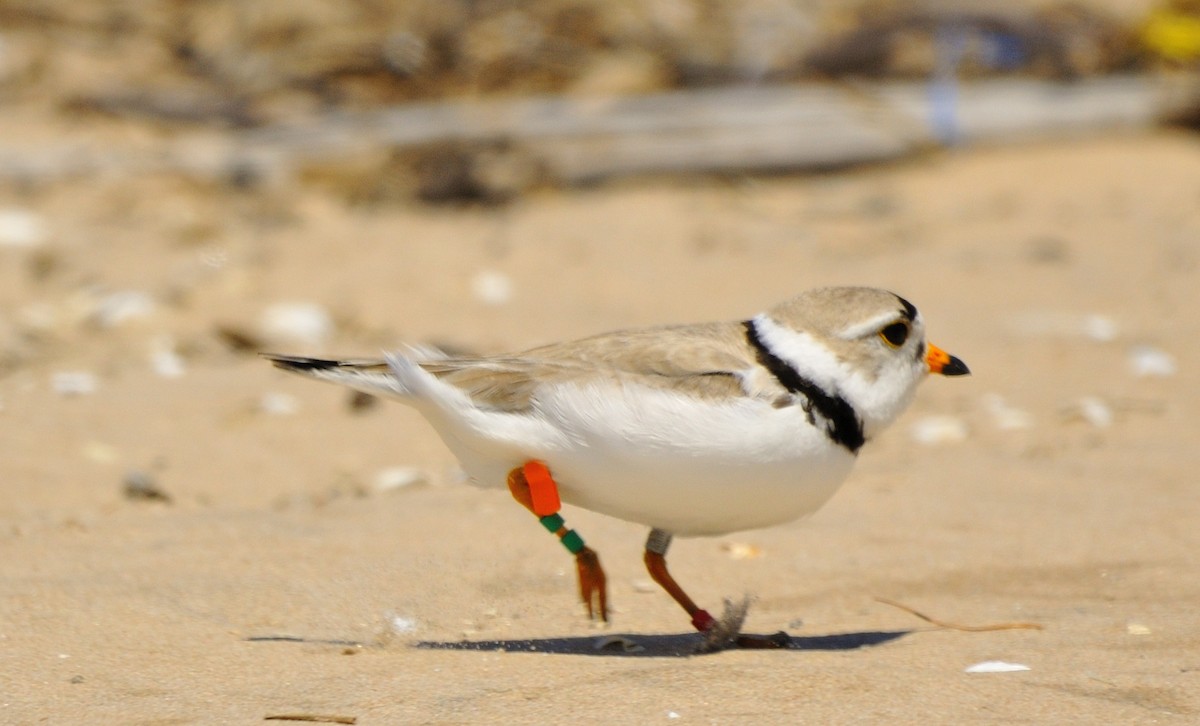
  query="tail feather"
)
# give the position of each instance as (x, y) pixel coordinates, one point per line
(368, 376)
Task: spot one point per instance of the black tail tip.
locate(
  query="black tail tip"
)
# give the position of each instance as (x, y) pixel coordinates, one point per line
(299, 363)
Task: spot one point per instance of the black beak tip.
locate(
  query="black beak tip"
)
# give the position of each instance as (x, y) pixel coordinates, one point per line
(955, 368)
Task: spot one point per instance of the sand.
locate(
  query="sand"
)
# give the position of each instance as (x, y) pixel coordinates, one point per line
(281, 570)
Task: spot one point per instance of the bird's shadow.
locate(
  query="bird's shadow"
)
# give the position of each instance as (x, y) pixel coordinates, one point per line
(657, 646)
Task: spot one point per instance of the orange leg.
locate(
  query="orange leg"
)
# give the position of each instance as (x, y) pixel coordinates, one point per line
(535, 489)
(656, 564)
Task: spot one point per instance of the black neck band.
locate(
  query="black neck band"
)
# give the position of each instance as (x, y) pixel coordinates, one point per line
(841, 423)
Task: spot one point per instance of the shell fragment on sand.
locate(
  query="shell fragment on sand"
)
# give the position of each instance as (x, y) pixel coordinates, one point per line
(996, 666)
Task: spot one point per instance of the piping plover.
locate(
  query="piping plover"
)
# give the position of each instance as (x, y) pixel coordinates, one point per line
(689, 430)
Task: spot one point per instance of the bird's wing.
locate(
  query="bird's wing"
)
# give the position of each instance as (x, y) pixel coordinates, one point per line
(711, 361)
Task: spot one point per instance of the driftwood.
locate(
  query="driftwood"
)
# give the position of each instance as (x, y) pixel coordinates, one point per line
(568, 140)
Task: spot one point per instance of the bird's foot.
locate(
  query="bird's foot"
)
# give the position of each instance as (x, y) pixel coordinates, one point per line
(593, 587)
(725, 632)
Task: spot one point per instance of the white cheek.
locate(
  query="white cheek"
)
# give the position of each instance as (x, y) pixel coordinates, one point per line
(881, 401)
(810, 358)
(877, 399)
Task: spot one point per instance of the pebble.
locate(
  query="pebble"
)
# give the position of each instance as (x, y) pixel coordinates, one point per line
(278, 404)
(120, 307)
(644, 586)
(297, 322)
(399, 477)
(492, 288)
(99, 452)
(1095, 411)
(74, 383)
(1004, 416)
(1149, 362)
(164, 360)
(400, 624)
(21, 228)
(1092, 326)
(742, 550)
(939, 429)
(140, 485)
(360, 401)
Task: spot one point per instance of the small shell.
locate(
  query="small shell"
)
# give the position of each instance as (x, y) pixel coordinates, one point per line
(99, 452)
(742, 550)
(73, 383)
(164, 359)
(1094, 411)
(118, 308)
(278, 404)
(1149, 362)
(492, 288)
(21, 228)
(943, 429)
(996, 666)
(399, 477)
(400, 625)
(1004, 416)
(296, 322)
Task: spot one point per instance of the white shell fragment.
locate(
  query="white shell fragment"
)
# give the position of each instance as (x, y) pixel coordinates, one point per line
(278, 404)
(996, 666)
(1099, 328)
(940, 429)
(99, 452)
(1004, 416)
(164, 360)
(492, 288)
(296, 322)
(617, 643)
(21, 228)
(1137, 629)
(741, 550)
(644, 586)
(1049, 324)
(117, 308)
(73, 383)
(1149, 362)
(400, 624)
(1095, 411)
(399, 477)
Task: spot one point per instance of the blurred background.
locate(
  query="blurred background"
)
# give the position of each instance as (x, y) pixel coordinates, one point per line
(185, 184)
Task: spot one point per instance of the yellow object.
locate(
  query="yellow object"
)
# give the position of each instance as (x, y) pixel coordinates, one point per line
(1173, 35)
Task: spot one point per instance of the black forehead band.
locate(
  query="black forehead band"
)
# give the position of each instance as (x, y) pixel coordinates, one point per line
(910, 310)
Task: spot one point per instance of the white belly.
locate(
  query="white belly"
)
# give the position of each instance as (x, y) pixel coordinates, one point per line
(665, 460)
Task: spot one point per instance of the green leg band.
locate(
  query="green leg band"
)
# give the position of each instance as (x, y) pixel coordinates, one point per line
(572, 541)
(552, 522)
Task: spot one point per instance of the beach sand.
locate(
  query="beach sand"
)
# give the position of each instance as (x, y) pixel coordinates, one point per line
(232, 543)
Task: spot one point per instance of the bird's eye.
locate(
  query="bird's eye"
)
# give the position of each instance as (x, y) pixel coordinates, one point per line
(895, 334)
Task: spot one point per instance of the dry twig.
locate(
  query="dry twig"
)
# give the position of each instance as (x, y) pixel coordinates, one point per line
(957, 626)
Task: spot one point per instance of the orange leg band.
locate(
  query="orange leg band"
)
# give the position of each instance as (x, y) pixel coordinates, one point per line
(543, 492)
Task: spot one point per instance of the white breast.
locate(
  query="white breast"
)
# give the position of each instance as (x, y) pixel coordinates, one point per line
(670, 461)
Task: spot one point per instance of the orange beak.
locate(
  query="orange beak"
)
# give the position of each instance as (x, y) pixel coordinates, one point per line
(945, 364)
